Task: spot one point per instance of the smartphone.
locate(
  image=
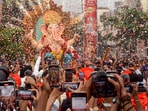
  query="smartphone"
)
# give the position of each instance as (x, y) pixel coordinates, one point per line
(68, 75)
(72, 85)
(78, 101)
(7, 89)
(81, 76)
(24, 94)
(53, 79)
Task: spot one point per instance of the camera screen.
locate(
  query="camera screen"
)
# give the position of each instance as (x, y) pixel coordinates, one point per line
(68, 75)
(81, 75)
(71, 85)
(6, 89)
(76, 100)
(53, 76)
(105, 89)
(101, 85)
(23, 94)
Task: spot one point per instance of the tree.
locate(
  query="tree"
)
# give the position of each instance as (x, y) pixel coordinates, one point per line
(131, 25)
(11, 42)
(78, 28)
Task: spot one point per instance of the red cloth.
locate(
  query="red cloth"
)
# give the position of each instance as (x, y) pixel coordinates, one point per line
(87, 72)
(143, 100)
(16, 78)
(39, 84)
(100, 100)
(68, 94)
(126, 72)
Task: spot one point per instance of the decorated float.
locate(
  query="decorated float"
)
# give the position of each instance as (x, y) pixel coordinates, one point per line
(48, 31)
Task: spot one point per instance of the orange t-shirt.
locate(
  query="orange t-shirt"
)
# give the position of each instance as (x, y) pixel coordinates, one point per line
(143, 100)
(87, 72)
(16, 78)
(126, 72)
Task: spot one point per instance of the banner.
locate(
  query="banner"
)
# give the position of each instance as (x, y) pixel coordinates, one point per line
(90, 31)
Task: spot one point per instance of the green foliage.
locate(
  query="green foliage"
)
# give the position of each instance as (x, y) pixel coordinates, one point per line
(11, 42)
(78, 28)
(130, 23)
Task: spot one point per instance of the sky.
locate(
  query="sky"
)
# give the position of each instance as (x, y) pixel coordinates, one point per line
(76, 5)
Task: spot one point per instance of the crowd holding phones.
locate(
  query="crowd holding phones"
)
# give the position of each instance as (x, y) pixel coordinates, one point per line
(109, 86)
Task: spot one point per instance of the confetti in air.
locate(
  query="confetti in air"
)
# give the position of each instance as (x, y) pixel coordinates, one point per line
(27, 16)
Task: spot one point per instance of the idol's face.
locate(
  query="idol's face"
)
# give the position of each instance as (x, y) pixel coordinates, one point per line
(55, 29)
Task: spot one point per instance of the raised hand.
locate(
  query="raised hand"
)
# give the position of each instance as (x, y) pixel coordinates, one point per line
(46, 85)
(30, 80)
(37, 96)
(119, 85)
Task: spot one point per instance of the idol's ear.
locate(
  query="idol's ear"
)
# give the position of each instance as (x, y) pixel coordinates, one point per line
(43, 29)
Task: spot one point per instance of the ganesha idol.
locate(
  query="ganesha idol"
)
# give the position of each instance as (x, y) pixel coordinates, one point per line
(52, 40)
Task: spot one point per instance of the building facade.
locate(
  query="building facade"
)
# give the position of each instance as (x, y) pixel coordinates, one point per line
(144, 5)
(131, 3)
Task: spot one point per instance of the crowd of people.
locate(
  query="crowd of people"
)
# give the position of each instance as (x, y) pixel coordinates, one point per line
(34, 79)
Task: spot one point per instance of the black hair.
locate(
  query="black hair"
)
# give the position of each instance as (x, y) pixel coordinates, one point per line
(66, 104)
(131, 64)
(118, 69)
(136, 77)
(5, 69)
(24, 68)
(3, 76)
(28, 72)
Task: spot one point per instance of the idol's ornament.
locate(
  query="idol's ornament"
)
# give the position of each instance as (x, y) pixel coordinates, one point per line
(51, 39)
